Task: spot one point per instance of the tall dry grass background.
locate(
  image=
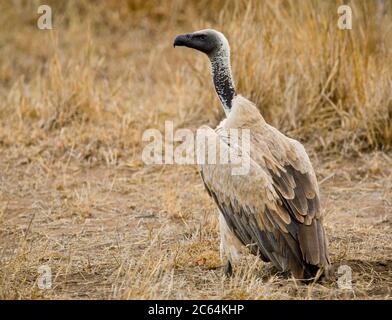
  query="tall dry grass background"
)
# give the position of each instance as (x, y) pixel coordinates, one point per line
(111, 64)
(82, 94)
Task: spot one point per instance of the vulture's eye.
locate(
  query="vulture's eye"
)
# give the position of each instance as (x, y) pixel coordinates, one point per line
(200, 36)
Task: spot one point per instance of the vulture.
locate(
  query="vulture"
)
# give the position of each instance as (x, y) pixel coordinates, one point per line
(274, 209)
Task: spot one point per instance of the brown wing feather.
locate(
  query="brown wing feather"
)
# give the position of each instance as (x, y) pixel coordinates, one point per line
(269, 243)
(304, 208)
(302, 198)
(263, 232)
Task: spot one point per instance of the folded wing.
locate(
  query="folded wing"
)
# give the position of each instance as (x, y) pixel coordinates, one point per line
(274, 209)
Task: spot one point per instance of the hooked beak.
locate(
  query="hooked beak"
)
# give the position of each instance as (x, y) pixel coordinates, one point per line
(182, 40)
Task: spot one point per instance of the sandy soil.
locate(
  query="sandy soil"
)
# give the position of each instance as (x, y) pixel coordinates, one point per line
(131, 231)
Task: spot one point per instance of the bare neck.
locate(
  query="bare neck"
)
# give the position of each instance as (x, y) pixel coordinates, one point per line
(222, 78)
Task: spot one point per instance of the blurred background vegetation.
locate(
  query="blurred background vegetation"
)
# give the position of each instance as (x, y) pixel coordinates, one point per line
(108, 71)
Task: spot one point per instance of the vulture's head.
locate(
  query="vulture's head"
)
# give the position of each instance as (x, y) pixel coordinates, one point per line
(209, 41)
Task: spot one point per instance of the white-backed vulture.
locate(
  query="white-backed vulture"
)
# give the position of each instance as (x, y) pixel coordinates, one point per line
(274, 209)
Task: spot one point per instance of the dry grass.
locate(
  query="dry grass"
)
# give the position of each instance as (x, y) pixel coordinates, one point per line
(75, 101)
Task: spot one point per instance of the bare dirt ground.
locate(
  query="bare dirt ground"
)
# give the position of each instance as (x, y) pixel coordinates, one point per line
(131, 231)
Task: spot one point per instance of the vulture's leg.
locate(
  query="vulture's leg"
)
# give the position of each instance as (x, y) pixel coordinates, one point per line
(228, 269)
(230, 246)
